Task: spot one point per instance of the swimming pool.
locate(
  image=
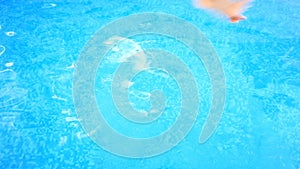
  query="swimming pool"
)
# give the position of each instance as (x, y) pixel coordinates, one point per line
(41, 43)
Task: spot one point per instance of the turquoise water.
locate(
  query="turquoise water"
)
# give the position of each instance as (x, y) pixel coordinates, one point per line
(40, 42)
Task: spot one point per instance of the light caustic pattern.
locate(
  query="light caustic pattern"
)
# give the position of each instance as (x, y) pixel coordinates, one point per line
(119, 32)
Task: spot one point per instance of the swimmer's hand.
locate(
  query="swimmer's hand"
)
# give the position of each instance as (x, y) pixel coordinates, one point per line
(233, 10)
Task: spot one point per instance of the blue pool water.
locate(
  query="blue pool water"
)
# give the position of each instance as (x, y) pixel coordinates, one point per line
(40, 44)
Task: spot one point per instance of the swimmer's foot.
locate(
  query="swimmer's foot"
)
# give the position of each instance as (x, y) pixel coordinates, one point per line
(236, 19)
(232, 10)
(235, 10)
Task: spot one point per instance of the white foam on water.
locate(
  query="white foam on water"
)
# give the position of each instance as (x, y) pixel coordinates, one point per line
(9, 64)
(71, 66)
(10, 33)
(66, 111)
(63, 140)
(81, 135)
(59, 98)
(50, 5)
(70, 119)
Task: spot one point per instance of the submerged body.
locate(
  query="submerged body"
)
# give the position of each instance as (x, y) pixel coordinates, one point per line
(232, 10)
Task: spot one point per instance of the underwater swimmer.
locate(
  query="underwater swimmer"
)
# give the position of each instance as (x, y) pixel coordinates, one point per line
(233, 10)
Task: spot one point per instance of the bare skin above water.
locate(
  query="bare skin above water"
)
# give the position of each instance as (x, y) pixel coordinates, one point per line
(233, 10)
